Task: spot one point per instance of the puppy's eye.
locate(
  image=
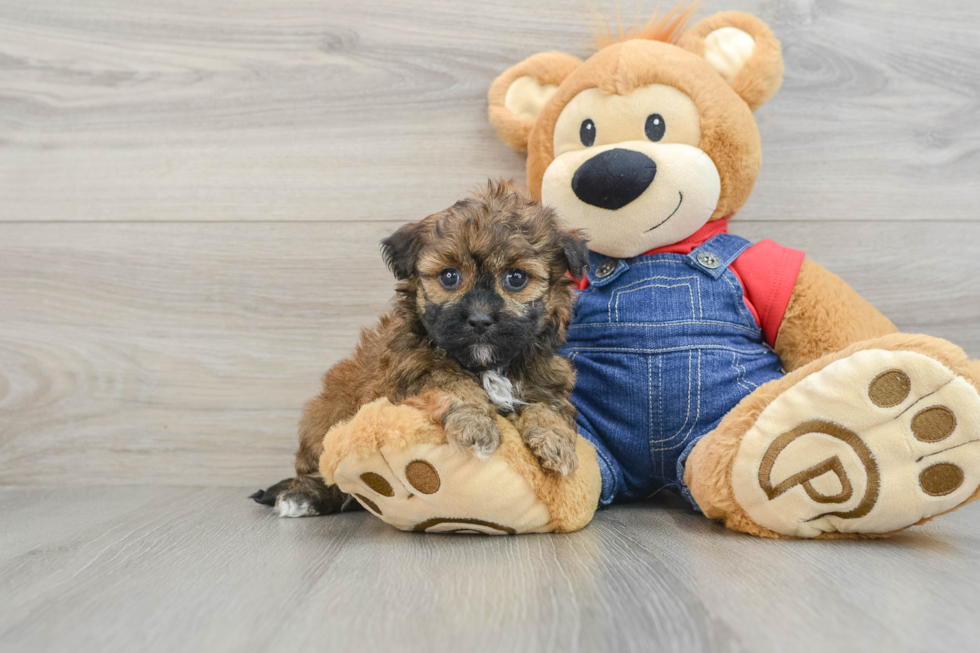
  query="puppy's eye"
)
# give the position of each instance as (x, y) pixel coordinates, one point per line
(450, 278)
(587, 132)
(515, 280)
(655, 127)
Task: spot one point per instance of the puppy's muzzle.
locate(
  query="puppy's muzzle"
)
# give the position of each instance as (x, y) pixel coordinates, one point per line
(480, 322)
(480, 310)
(614, 178)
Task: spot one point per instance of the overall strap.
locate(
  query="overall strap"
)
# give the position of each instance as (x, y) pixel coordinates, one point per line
(603, 270)
(714, 256)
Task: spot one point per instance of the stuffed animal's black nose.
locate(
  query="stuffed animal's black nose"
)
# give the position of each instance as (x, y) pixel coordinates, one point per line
(613, 179)
(480, 322)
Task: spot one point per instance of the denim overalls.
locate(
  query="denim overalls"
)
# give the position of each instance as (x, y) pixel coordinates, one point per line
(664, 346)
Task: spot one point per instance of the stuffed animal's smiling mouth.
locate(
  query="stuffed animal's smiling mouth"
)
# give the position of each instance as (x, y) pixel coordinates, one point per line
(676, 208)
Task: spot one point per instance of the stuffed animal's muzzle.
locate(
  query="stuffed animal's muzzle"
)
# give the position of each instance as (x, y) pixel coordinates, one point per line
(633, 196)
(614, 178)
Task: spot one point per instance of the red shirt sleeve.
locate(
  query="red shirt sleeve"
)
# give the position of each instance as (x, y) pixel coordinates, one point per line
(768, 273)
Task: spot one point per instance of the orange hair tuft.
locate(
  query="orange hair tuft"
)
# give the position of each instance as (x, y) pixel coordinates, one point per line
(667, 28)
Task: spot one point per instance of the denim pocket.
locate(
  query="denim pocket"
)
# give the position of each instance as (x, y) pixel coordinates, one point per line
(657, 299)
(679, 385)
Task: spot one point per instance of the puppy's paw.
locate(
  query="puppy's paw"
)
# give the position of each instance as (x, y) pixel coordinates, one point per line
(472, 430)
(296, 504)
(554, 450)
(305, 496)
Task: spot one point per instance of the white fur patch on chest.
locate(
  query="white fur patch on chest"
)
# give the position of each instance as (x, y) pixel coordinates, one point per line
(501, 390)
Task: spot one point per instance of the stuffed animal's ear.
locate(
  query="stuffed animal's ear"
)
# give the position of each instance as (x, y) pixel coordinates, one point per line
(519, 94)
(743, 50)
(401, 249)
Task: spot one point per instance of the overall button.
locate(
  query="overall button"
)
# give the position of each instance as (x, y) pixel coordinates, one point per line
(605, 269)
(708, 260)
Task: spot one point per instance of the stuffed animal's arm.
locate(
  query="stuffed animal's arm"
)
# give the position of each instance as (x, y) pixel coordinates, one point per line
(825, 315)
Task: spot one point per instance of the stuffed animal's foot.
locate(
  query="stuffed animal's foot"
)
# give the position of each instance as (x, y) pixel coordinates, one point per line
(435, 488)
(871, 443)
(304, 496)
(399, 464)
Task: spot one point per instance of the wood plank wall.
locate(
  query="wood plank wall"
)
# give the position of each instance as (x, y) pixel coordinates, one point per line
(191, 196)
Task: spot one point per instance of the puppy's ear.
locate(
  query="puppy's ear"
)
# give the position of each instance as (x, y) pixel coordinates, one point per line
(401, 249)
(575, 252)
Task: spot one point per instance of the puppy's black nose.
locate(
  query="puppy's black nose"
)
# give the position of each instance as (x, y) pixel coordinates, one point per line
(480, 322)
(614, 178)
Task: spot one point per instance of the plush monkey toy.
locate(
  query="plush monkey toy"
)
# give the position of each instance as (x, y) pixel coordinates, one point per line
(745, 376)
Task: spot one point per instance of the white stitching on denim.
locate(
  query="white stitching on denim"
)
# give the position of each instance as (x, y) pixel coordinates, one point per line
(697, 415)
(658, 261)
(686, 260)
(730, 256)
(605, 458)
(650, 395)
(761, 350)
(621, 292)
(745, 373)
(739, 373)
(700, 304)
(690, 368)
(617, 291)
(687, 416)
(660, 392)
(739, 301)
(663, 324)
(609, 466)
(658, 278)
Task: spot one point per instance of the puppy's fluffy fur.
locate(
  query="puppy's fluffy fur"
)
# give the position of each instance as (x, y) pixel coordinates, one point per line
(482, 306)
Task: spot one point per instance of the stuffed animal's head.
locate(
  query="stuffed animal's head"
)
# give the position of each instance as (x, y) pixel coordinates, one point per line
(653, 136)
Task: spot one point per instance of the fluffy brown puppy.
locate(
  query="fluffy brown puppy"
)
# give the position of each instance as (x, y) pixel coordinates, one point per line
(482, 306)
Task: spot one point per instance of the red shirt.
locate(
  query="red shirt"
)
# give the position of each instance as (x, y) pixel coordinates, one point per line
(766, 270)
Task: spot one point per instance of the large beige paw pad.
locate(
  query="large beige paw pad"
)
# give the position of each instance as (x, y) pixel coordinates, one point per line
(869, 444)
(397, 462)
(435, 489)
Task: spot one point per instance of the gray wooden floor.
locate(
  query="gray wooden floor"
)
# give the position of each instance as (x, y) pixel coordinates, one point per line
(191, 196)
(198, 569)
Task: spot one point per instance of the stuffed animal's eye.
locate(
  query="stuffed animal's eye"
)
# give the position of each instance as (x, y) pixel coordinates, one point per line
(587, 132)
(515, 280)
(450, 278)
(655, 127)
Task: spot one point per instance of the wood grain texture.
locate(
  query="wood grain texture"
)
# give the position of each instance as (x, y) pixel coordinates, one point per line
(183, 353)
(352, 110)
(204, 569)
(191, 196)
(151, 353)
